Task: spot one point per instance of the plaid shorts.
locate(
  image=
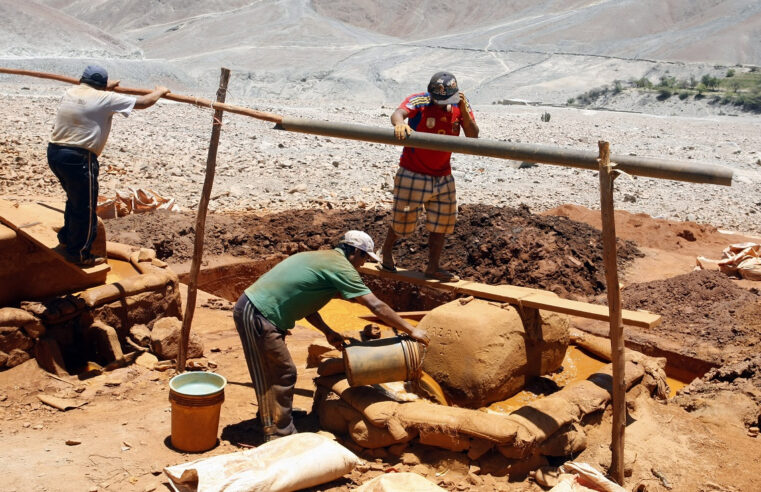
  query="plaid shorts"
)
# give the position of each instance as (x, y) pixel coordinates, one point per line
(436, 193)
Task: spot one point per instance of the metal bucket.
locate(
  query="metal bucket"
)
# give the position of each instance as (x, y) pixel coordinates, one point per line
(196, 399)
(382, 361)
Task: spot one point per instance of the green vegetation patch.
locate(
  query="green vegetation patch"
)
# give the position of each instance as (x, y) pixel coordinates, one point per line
(739, 87)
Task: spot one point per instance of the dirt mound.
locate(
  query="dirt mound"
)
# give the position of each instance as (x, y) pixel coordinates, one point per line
(703, 305)
(682, 237)
(490, 244)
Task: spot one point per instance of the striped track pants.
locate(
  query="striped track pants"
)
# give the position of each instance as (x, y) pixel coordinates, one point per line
(271, 367)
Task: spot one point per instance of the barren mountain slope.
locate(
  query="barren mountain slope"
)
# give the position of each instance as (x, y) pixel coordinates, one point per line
(31, 29)
(312, 51)
(118, 16)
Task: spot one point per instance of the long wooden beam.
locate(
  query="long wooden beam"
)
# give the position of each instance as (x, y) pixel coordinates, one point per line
(196, 101)
(524, 296)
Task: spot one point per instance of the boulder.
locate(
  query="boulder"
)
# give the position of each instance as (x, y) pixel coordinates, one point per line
(165, 340)
(482, 352)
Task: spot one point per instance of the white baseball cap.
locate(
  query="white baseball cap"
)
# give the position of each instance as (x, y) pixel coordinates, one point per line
(362, 241)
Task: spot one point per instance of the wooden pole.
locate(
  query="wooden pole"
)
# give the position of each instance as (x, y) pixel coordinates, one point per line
(607, 175)
(196, 101)
(195, 265)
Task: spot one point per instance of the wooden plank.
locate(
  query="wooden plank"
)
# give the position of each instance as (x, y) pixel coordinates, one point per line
(513, 294)
(37, 224)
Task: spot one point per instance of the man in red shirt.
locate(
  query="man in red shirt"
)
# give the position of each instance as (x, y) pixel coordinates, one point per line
(425, 177)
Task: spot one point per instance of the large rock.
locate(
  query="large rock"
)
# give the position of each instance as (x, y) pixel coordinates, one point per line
(165, 340)
(481, 352)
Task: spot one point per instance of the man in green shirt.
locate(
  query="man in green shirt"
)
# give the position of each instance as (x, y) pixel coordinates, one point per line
(298, 287)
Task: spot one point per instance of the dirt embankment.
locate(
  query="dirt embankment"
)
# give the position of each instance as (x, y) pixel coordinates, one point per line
(490, 244)
(704, 306)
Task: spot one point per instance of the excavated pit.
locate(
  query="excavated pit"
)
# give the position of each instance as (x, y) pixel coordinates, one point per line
(546, 420)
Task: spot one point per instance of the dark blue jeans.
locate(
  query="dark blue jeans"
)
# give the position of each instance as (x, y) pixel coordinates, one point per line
(77, 170)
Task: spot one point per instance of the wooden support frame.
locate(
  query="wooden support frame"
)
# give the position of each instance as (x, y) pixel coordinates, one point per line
(607, 175)
(203, 206)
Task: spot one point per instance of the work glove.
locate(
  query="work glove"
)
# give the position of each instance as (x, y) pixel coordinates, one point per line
(402, 131)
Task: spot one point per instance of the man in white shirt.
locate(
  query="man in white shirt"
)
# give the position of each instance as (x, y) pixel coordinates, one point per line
(80, 132)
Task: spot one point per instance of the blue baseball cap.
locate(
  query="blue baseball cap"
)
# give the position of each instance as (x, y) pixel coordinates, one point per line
(443, 88)
(95, 76)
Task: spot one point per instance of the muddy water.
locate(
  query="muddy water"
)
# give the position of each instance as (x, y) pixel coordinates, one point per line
(577, 365)
(343, 316)
(119, 270)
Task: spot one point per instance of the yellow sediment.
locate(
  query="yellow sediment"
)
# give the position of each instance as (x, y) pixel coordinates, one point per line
(120, 270)
(343, 316)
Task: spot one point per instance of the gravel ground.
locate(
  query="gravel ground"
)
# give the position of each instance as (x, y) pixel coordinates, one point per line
(258, 168)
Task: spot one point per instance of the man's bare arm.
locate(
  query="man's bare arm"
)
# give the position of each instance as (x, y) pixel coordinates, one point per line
(148, 100)
(389, 316)
(333, 337)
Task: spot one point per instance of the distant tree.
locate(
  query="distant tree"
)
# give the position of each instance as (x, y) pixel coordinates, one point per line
(667, 81)
(730, 73)
(643, 83)
(709, 81)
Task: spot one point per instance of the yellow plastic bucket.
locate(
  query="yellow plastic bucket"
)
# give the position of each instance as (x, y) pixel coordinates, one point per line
(196, 399)
(382, 361)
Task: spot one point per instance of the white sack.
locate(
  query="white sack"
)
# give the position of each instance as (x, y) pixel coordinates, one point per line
(289, 463)
(399, 482)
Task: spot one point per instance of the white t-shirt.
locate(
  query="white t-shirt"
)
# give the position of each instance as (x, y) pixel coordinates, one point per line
(84, 117)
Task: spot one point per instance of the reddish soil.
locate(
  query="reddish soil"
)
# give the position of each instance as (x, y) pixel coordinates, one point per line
(700, 440)
(490, 244)
(702, 306)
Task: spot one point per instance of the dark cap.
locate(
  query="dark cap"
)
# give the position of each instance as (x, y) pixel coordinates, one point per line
(95, 76)
(443, 88)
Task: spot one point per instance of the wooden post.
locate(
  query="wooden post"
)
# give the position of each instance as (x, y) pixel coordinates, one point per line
(203, 205)
(607, 175)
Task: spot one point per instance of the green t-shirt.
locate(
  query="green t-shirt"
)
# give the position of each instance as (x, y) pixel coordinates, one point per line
(302, 284)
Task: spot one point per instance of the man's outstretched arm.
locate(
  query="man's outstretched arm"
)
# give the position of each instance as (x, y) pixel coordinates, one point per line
(148, 100)
(389, 316)
(333, 337)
